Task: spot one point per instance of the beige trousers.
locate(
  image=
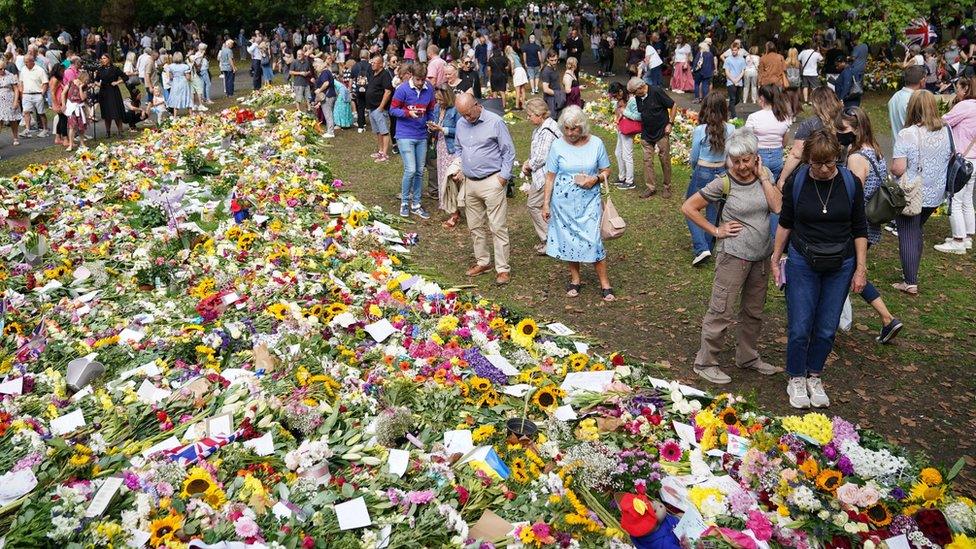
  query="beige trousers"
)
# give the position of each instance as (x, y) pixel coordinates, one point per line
(486, 208)
(534, 204)
(749, 281)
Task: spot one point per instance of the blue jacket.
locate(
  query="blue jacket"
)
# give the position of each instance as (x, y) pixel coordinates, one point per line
(407, 98)
(661, 538)
(707, 68)
(449, 124)
(844, 83)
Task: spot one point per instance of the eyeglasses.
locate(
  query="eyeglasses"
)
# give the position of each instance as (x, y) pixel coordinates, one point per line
(822, 165)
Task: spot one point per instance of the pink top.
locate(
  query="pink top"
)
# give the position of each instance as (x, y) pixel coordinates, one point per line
(962, 120)
(768, 130)
(435, 71)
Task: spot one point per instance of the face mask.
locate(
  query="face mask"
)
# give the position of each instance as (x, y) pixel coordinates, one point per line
(846, 138)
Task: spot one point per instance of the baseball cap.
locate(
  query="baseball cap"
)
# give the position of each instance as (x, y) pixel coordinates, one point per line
(637, 516)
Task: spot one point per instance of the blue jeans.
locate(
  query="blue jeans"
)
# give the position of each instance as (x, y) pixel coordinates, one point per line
(773, 159)
(813, 305)
(701, 176)
(702, 84)
(205, 76)
(414, 155)
(229, 83)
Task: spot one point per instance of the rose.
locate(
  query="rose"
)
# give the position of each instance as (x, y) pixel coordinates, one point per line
(933, 524)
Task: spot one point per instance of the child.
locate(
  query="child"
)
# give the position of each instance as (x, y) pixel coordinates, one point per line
(75, 95)
(158, 104)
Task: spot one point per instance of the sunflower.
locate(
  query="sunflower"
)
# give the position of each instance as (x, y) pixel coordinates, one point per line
(828, 480)
(728, 416)
(498, 324)
(546, 398)
(930, 476)
(519, 473)
(463, 389)
(810, 468)
(13, 328)
(335, 308)
(215, 497)
(527, 328)
(577, 362)
(197, 483)
(490, 398)
(315, 310)
(278, 310)
(878, 514)
(928, 496)
(162, 530)
(480, 384)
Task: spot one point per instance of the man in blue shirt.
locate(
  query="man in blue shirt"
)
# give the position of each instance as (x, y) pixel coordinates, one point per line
(487, 154)
(532, 59)
(735, 67)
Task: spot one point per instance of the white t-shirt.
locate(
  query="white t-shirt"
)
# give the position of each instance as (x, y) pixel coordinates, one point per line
(652, 57)
(33, 79)
(683, 53)
(767, 128)
(809, 60)
(142, 65)
(146, 42)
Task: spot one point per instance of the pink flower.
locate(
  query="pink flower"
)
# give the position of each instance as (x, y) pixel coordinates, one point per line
(760, 525)
(670, 450)
(421, 497)
(245, 527)
(858, 496)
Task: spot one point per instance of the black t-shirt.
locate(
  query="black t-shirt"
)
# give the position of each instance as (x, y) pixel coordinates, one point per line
(551, 76)
(360, 75)
(531, 51)
(574, 46)
(470, 80)
(655, 113)
(300, 65)
(499, 67)
(376, 86)
(808, 221)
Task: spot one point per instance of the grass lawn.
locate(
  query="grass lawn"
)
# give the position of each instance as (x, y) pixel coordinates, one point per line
(919, 392)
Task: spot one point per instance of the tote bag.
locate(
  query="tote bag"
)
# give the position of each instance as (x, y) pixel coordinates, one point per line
(911, 184)
(611, 224)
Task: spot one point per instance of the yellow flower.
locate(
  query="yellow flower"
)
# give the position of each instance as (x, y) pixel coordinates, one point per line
(197, 483)
(810, 468)
(163, 531)
(479, 384)
(813, 425)
(930, 476)
(79, 460)
(698, 495)
(215, 497)
(547, 398)
(498, 324)
(447, 324)
(483, 432)
(278, 310)
(962, 541)
(928, 496)
(577, 362)
(524, 332)
(828, 480)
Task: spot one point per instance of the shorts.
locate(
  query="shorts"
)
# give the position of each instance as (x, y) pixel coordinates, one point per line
(810, 81)
(33, 102)
(379, 121)
(302, 94)
(533, 72)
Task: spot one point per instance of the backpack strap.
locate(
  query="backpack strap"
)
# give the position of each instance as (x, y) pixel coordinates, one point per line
(848, 178)
(801, 176)
(726, 190)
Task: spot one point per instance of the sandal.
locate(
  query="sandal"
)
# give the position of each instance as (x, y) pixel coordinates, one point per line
(572, 290)
(608, 294)
(910, 289)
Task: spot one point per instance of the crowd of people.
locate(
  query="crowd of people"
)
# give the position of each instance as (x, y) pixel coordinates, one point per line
(433, 87)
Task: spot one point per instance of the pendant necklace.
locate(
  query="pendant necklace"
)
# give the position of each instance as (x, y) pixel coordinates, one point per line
(820, 198)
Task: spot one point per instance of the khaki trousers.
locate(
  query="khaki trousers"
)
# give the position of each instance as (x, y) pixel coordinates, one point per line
(534, 204)
(749, 281)
(486, 208)
(663, 150)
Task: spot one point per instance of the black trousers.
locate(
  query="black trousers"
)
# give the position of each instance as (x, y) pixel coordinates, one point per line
(256, 73)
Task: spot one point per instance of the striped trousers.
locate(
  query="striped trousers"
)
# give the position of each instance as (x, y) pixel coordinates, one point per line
(910, 236)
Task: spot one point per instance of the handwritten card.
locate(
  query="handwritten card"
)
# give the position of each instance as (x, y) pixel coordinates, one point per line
(68, 422)
(380, 330)
(103, 497)
(151, 394)
(220, 425)
(581, 347)
(737, 446)
(15, 485)
(502, 363)
(262, 446)
(129, 336)
(691, 525)
(12, 387)
(560, 329)
(686, 434)
(565, 413)
(898, 542)
(353, 514)
(398, 460)
(458, 442)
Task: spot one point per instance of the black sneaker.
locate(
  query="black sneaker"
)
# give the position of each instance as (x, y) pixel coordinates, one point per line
(890, 331)
(624, 186)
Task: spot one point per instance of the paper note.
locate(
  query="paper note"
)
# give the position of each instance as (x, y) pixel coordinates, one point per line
(220, 425)
(260, 219)
(560, 329)
(586, 381)
(262, 446)
(130, 336)
(383, 540)
(675, 493)
(344, 319)
(230, 298)
(151, 394)
(581, 347)
(380, 330)
(517, 391)
(502, 363)
(168, 444)
(410, 282)
(15, 485)
(490, 527)
(103, 497)
(565, 413)
(281, 510)
(139, 538)
(82, 393)
(737, 446)
(12, 387)
(68, 422)
(686, 434)
(353, 514)
(691, 525)
(398, 460)
(335, 208)
(898, 542)
(458, 442)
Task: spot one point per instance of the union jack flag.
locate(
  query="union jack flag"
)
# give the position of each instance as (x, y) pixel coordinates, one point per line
(201, 449)
(920, 33)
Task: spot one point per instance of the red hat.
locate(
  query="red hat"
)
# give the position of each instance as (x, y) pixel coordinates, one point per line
(637, 516)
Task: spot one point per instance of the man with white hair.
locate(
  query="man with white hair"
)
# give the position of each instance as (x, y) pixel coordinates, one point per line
(33, 86)
(144, 69)
(225, 59)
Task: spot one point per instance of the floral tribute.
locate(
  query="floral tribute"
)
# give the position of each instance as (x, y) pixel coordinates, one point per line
(206, 340)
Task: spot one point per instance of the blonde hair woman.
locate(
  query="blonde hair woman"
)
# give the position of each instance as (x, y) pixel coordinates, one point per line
(571, 83)
(793, 68)
(922, 150)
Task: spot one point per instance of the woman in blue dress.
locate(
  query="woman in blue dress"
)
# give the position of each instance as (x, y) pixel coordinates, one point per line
(180, 92)
(342, 111)
(571, 203)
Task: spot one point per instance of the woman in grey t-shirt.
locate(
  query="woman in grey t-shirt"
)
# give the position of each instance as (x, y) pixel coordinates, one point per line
(742, 250)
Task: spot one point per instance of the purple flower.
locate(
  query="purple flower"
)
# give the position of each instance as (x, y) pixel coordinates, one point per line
(845, 466)
(898, 493)
(481, 367)
(420, 498)
(902, 525)
(830, 451)
(844, 431)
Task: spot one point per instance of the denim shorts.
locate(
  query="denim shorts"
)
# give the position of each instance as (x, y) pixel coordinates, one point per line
(379, 121)
(532, 72)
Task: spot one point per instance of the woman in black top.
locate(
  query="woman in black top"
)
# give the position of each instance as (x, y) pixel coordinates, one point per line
(470, 79)
(110, 79)
(498, 69)
(823, 223)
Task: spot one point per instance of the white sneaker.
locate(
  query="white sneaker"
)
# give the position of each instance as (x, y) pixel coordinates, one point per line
(42, 133)
(329, 135)
(818, 396)
(701, 258)
(203, 108)
(360, 130)
(25, 134)
(952, 247)
(797, 391)
(968, 241)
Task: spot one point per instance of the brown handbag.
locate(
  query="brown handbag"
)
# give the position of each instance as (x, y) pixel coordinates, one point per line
(611, 224)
